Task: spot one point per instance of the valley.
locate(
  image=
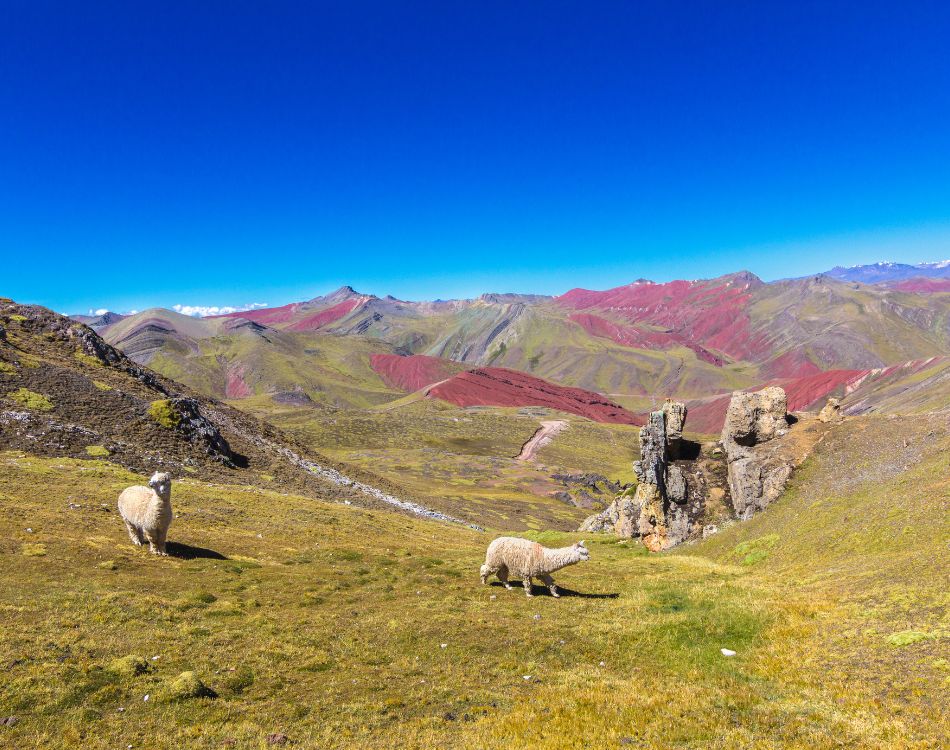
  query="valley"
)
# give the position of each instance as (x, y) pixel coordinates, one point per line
(336, 482)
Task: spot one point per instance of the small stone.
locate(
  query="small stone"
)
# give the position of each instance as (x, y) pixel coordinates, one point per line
(120, 709)
(147, 696)
(493, 597)
(526, 677)
(443, 645)
(603, 664)
(277, 738)
(537, 617)
(9, 721)
(29, 531)
(727, 652)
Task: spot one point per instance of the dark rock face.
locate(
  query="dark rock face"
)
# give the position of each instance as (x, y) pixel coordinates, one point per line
(293, 398)
(589, 490)
(200, 430)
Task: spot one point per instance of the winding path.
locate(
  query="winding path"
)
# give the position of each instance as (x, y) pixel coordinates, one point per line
(544, 435)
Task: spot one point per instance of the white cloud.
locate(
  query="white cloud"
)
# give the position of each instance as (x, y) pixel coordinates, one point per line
(203, 311)
(102, 311)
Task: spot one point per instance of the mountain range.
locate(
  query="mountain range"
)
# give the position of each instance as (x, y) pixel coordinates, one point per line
(608, 355)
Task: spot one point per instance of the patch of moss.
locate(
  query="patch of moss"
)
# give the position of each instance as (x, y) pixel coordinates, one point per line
(97, 451)
(18, 318)
(87, 359)
(129, 666)
(755, 550)
(7, 369)
(185, 686)
(31, 399)
(33, 549)
(163, 413)
(102, 386)
(907, 637)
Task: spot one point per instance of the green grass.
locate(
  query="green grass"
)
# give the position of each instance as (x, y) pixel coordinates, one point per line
(865, 524)
(461, 461)
(163, 413)
(7, 369)
(97, 451)
(326, 622)
(30, 399)
(88, 360)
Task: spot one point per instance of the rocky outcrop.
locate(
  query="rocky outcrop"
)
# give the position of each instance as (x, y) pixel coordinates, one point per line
(201, 431)
(586, 490)
(667, 506)
(831, 412)
(758, 470)
(754, 418)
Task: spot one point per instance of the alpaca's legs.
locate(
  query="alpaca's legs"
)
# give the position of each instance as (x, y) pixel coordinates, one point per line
(549, 582)
(502, 574)
(156, 542)
(134, 534)
(527, 585)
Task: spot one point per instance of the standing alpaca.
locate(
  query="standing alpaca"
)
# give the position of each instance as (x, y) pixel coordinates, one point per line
(524, 559)
(147, 511)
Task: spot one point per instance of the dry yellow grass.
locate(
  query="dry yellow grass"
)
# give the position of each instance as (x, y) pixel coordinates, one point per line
(327, 623)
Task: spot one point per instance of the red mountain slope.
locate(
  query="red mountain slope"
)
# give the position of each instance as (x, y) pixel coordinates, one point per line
(317, 320)
(496, 386)
(707, 314)
(921, 285)
(412, 373)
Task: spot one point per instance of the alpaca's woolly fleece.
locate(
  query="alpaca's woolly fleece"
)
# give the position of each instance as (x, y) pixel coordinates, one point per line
(147, 511)
(526, 559)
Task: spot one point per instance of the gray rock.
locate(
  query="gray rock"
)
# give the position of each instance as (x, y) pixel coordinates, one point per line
(831, 411)
(754, 418)
(676, 489)
(757, 474)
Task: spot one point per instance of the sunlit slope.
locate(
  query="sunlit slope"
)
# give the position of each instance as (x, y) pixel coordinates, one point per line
(818, 323)
(635, 344)
(342, 628)
(865, 523)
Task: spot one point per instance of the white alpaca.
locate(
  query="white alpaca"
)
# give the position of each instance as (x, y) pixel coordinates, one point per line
(147, 511)
(523, 559)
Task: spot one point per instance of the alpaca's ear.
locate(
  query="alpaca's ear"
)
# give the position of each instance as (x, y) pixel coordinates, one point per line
(582, 544)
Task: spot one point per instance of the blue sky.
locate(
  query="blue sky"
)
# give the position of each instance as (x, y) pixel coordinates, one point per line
(219, 153)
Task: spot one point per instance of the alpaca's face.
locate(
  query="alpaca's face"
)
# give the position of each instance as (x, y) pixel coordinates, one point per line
(581, 547)
(160, 481)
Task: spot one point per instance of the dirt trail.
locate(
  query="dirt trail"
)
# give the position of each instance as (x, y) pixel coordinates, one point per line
(544, 435)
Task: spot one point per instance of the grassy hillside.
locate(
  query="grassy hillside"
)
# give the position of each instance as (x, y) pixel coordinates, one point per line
(461, 461)
(345, 627)
(864, 527)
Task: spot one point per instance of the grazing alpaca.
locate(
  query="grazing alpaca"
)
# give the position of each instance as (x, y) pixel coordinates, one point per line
(147, 511)
(526, 559)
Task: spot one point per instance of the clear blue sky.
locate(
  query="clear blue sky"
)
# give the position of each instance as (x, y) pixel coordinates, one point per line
(229, 152)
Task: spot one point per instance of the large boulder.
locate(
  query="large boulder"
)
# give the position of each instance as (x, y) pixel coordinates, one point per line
(674, 414)
(757, 473)
(758, 417)
(831, 412)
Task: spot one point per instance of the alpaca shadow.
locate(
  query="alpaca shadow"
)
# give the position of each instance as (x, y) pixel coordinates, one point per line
(187, 552)
(539, 590)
